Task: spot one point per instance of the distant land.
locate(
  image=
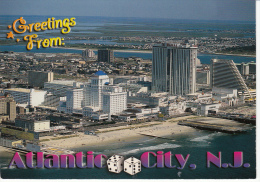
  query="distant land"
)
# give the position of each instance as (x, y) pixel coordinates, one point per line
(246, 50)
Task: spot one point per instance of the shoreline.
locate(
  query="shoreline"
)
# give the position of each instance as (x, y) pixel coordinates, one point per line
(3, 150)
(167, 130)
(145, 51)
(150, 51)
(226, 54)
(120, 135)
(115, 50)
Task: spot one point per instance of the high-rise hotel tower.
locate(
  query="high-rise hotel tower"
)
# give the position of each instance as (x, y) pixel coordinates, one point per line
(174, 68)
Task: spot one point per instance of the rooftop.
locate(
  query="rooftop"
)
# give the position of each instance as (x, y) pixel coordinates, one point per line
(25, 90)
(32, 120)
(100, 73)
(208, 104)
(63, 82)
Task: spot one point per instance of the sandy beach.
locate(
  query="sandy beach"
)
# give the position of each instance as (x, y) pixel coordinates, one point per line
(119, 134)
(129, 133)
(3, 149)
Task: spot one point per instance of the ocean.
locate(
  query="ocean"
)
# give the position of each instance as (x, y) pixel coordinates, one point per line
(120, 26)
(196, 144)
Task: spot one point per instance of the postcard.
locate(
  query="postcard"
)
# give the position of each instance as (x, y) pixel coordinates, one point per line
(133, 89)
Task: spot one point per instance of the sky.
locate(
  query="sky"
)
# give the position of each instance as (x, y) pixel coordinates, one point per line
(239, 10)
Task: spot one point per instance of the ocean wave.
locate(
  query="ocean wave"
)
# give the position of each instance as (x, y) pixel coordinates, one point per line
(200, 139)
(151, 139)
(155, 147)
(205, 138)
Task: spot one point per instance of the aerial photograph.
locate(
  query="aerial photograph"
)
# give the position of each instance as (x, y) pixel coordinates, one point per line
(128, 89)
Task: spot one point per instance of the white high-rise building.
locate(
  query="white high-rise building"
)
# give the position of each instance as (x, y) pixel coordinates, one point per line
(88, 53)
(74, 100)
(174, 68)
(114, 102)
(99, 95)
(97, 99)
(93, 90)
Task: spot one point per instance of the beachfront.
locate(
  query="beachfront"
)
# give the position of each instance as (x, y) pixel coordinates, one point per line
(168, 130)
(120, 134)
(129, 133)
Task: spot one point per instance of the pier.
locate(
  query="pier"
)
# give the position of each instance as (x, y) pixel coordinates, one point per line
(241, 120)
(213, 127)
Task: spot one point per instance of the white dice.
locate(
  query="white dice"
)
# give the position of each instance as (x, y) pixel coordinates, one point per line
(132, 166)
(115, 163)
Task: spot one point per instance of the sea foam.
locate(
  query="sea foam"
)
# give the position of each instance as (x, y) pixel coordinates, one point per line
(150, 148)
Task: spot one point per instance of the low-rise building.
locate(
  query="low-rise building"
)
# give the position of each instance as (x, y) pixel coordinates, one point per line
(89, 110)
(147, 111)
(60, 87)
(33, 125)
(173, 108)
(206, 109)
(10, 143)
(127, 117)
(225, 96)
(30, 97)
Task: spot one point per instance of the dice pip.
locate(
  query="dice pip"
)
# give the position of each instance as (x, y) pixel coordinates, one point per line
(132, 166)
(115, 163)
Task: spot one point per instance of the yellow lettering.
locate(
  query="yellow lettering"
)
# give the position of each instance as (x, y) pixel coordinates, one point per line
(36, 26)
(43, 24)
(72, 22)
(55, 40)
(31, 27)
(30, 40)
(66, 25)
(22, 21)
(58, 23)
(45, 43)
(39, 43)
(49, 23)
(52, 22)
